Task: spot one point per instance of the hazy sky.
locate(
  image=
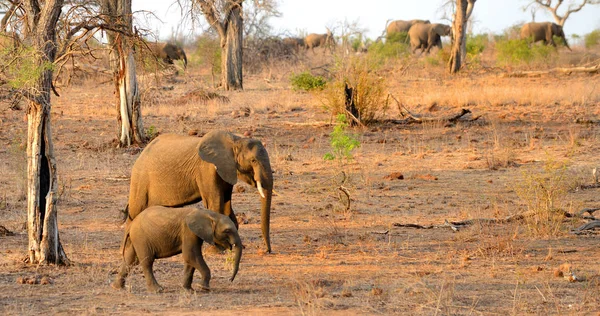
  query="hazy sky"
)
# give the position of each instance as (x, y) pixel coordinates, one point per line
(314, 15)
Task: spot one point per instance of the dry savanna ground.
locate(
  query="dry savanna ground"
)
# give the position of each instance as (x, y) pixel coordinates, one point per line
(535, 143)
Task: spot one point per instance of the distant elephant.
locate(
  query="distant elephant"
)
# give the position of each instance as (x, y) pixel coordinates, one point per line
(161, 232)
(294, 43)
(543, 31)
(425, 36)
(315, 40)
(402, 26)
(175, 170)
(168, 52)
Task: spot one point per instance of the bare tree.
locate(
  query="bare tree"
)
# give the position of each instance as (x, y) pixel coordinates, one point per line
(225, 16)
(553, 7)
(256, 18)
(458, 54)
(37, 26)
(129, 117)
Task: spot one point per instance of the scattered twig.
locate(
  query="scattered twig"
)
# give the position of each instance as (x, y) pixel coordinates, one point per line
(587, 226)
(457, 225)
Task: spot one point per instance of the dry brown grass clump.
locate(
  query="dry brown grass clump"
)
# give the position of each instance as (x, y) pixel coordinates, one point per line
(201, 96)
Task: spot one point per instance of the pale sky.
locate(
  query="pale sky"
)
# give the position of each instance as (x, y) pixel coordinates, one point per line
(312, 16)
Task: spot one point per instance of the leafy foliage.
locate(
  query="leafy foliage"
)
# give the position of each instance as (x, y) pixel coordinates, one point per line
(21, 67)
(307, 82)
(592, 39)
(342, 143)
(389, 49)
(511, 52)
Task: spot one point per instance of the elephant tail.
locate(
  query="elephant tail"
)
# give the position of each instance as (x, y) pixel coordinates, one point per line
(125, 214)
(125, 240)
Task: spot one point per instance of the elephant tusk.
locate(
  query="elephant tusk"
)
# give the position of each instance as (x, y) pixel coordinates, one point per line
(260, 189)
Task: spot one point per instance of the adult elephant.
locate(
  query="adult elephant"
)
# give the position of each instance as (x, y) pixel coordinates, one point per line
(168, 52)
(175, 170)
(315, 40)
(543, 31)
(425, 36)
(402, 26)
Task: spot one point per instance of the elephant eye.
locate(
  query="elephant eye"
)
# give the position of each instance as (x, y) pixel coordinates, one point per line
(253, 160)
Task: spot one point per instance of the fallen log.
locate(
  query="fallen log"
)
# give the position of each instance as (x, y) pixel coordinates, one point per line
(415, 118)
(560, 70)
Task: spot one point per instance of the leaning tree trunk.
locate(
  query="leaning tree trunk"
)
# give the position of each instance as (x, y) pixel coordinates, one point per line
(459, 31)
(129, 117)
(231, 52)
(42, 217)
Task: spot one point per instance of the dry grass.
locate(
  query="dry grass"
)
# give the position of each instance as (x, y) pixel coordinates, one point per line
(327, 261)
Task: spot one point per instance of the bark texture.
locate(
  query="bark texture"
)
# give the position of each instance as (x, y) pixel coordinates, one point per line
(226, 19)
(459, 31)
(129, 117)
(42, 214)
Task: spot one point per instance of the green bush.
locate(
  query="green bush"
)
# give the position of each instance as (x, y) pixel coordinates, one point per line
(397, 37)
(342, 143)
(475, 45)
(208, 53)
(389, 50)
(307, 82)
(592, 39)
(516, 52)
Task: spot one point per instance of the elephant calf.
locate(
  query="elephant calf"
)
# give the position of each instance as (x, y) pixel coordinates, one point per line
(157, 233)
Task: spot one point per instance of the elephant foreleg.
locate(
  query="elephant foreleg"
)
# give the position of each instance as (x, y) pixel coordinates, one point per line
(192, 256)
(188, 275)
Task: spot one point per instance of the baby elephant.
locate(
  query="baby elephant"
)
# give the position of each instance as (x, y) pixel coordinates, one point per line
(160, 232)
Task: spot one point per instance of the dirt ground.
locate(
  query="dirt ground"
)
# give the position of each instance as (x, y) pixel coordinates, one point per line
(326, 259)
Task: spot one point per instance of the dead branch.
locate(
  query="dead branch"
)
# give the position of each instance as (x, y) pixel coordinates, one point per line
(587, 226)
(457, 225)
(415, 118)
(560, 70)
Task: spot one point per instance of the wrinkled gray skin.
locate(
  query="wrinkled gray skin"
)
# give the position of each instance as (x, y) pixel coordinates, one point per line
(425, 36)
(161, 232)
(294, 43)
(175, 170)
(543, 31)
(402, 26)
(168, 52)
(315, 40)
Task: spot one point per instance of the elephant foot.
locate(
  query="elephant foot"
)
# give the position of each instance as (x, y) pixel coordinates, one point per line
(155, 288)
(118, 284)
(204, 289)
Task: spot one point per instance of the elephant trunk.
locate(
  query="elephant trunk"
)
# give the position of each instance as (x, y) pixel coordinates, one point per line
(265, 217)
(264, 184)
(236, 243)
(184, 60)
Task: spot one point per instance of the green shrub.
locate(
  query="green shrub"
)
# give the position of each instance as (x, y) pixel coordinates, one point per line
(342, 143)
(592, 39)
(23, 70)
(515, 52)
(397, 37)
(475, 45)
(389, 50)
(307, 82)
(208, 53)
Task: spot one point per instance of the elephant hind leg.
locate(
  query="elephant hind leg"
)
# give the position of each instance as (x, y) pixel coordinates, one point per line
(129, 260)
(147, 263)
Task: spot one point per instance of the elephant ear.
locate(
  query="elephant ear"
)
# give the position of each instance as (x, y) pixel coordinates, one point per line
(202, 225)
(217, 148)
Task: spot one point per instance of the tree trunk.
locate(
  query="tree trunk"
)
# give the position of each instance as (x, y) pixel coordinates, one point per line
(231, 52)
(129, 117)
(42, 214)
(463, 46)
(459, 32)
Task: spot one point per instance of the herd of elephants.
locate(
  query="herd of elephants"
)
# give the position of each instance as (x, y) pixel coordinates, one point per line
(422, 34)
(175, 171)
